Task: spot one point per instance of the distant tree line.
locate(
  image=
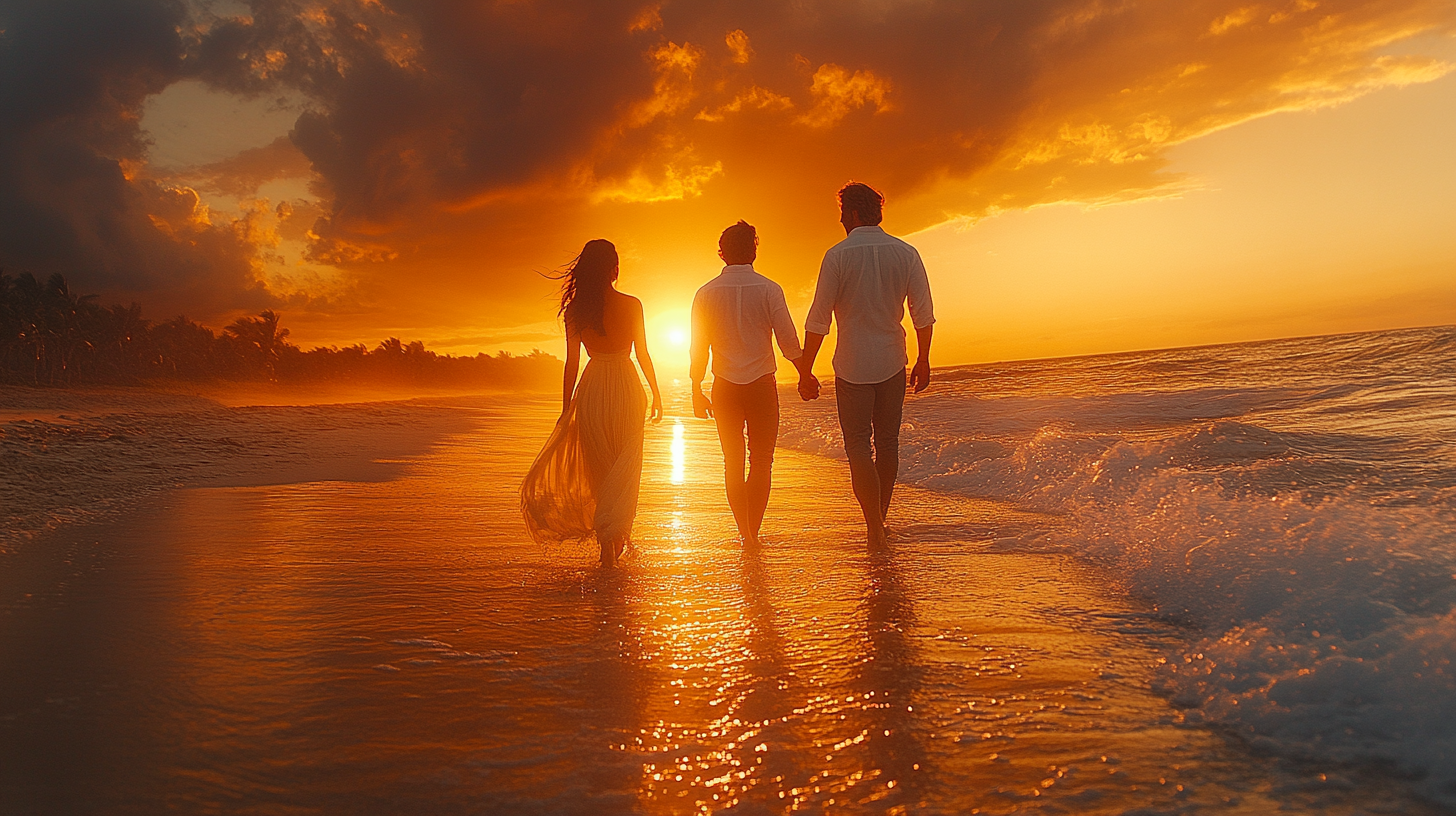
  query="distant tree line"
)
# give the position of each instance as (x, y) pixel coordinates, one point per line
(50, 335)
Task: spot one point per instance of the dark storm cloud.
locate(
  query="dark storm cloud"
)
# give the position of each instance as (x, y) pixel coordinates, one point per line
(423, 105)
(73, 76)
(436, 128)
(436, 102)
(447, 102)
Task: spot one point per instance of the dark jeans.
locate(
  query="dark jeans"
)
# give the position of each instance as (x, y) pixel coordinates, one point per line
(871, 413)
(756, 407)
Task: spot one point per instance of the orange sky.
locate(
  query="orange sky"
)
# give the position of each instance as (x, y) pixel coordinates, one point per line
(1081, 176)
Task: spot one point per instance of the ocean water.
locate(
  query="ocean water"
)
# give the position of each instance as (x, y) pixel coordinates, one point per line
(1182, 582)
(399, 645)
(1292, 503)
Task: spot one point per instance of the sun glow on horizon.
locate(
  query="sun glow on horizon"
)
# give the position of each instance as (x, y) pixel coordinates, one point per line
(668, 337)
(1187, 174)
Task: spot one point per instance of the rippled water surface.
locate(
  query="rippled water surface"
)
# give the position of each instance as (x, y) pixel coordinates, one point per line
(1293, 502)
(399, 647)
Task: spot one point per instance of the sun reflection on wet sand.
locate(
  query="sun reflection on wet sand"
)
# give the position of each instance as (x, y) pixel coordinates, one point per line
(401, 646)
(678, 449)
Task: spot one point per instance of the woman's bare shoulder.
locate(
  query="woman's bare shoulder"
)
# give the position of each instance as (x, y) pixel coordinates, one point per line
(624, 300)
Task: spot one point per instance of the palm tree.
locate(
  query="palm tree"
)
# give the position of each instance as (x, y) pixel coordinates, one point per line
(9, 324)
(184, 348)
(64, 314)
(260, 340)
(27, 299)
(120, 340)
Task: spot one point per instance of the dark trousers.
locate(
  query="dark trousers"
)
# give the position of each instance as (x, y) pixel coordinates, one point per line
(871, 414)
(754, 407)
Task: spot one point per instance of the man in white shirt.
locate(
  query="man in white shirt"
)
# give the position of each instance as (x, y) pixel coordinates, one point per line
(864, 283)
(733, 316)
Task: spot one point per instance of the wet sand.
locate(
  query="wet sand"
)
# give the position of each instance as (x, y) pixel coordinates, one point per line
(398, 646)
(69, 456)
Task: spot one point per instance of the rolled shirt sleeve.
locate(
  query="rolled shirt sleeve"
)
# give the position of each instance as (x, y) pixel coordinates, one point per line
(821, 313)
(922, 311)
(863, 286)
(698, 340)
(735, 318)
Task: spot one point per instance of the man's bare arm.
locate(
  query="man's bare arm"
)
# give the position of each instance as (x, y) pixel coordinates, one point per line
(698, 347)
(920, 374)
(808, 383)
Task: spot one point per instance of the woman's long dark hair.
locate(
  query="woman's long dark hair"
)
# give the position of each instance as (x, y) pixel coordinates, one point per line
(584, 285)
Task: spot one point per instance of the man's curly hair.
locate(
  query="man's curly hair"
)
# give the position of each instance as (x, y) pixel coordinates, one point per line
(863, 200)
(739, 243)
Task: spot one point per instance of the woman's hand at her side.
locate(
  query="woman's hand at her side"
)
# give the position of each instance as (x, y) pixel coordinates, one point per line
(656, 409)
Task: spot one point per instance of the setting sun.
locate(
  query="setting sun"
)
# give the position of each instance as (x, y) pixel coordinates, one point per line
(668, 336)
(1069, 429)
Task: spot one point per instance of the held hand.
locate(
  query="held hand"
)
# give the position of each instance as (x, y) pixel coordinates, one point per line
(656, 410)
(702, 406)
(808, 387)
(920, 375)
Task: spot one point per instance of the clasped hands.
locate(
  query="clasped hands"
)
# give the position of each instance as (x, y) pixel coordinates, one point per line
(809, 388)
(919, 380)
(808, 385)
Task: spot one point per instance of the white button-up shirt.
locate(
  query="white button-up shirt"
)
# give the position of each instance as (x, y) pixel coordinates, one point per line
(733, 314)
(864, 283)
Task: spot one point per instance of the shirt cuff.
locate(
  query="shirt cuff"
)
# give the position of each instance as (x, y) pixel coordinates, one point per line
(817, 328)
(930, 322)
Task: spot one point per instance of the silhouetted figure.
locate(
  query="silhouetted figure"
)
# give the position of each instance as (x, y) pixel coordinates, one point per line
(864, 283)
(585, 481)
(734, 317)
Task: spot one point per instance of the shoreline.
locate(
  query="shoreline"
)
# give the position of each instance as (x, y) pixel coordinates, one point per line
(69, 456)
(254, 633)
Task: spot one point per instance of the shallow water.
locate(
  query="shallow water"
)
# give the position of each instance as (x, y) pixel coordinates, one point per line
(399, 647)
(1292, 501)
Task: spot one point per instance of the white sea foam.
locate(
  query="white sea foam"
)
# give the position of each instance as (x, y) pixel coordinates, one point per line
(1301, 515)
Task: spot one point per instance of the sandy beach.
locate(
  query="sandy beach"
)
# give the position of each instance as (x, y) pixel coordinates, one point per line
(326, 328)
(68, 456)
(342, 613)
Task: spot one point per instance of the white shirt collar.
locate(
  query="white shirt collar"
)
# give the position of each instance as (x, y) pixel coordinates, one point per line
(748, 267)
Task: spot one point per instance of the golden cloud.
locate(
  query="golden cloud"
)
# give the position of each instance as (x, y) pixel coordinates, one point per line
(738, 46)
(837, 92)
(671, 184)
(672, 88)
(753, 98)
(438, 132)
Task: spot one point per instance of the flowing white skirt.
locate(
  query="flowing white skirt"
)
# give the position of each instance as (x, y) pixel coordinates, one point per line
(585, 481)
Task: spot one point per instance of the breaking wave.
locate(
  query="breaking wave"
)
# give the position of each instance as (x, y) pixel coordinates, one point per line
(1295, 501)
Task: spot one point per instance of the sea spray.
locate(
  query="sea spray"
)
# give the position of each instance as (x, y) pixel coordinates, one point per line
(1295, 501)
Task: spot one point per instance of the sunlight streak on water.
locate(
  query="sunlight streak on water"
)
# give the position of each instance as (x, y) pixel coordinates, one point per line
(679, 450)
(402, 647)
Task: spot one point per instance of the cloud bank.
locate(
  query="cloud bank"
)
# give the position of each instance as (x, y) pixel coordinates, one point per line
(450, 148)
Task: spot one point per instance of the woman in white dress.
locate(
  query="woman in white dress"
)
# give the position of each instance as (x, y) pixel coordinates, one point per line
(584, 482)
